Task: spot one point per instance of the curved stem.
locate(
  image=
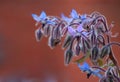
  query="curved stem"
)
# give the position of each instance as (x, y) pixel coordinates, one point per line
(113, 43)
(99, 68)
(111, 53)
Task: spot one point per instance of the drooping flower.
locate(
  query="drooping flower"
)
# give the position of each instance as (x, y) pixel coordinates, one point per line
(43, 18)
(39, 18)
(79, 30)
(86, 68)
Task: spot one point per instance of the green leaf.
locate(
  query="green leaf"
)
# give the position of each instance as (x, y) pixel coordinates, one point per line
(100, 62)
(111, 64)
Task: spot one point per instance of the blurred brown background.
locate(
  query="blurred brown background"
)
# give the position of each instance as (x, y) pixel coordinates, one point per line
(22, 59)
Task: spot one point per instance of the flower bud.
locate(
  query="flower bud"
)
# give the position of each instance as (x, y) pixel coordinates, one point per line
(68, 56)
(38, 34)
(56, 33)
(77, 52)
(93, 38)
(94, 53)
(85, 45)
(101, 39)
(47, 30)
(104, 51)
(53, 42)
(67, 41)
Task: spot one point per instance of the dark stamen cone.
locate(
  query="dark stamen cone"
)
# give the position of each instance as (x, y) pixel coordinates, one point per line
(89, 74)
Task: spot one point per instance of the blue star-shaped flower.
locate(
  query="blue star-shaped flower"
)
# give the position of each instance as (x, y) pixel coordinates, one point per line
(39, 18)
(42, 18)
(86, 68)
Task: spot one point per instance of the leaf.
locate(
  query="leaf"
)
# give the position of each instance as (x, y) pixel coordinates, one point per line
(111, 64)
(100, 62)
(107, 65)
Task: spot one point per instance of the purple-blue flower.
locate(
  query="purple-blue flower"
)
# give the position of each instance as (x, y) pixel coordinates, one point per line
(73, 31)
(42, 18)
(80, 28)
(86, 68)
(39, 18)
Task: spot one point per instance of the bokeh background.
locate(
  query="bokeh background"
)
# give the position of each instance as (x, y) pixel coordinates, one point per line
(22, 59)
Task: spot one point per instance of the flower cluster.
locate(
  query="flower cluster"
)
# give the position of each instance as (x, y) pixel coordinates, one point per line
(86, 34)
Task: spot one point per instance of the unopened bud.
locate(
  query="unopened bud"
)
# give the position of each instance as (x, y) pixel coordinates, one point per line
(38, 34)
(77, 49)
(68, 56)
(95, 53)
(53, 42)
(104, 51)
(67, 41)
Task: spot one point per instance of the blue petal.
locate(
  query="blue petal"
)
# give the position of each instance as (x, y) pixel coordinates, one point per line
(42, 15)
(35, 17)
(80, 28)
(66, 18)
(96, 73)
(71, 31)
(84, 67)
(74, 14)
(83, 17)
(50, 22)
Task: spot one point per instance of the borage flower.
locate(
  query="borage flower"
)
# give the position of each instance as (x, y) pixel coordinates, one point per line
(78, 31)
(39, 18)
(86, 68)
(43, 18)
